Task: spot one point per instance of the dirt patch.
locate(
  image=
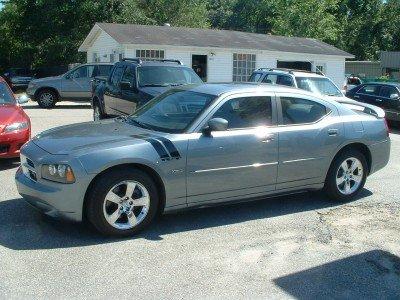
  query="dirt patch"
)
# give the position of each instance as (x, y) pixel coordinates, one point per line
(365, 224)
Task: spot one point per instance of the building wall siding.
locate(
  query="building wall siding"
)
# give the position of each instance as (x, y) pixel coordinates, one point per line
(104, 45)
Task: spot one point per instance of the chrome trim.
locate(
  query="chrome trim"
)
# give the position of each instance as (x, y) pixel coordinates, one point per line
(298, 160)
(256, 165)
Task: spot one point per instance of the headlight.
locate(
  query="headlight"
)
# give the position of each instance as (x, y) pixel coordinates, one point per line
(16, 126)
(58, 173)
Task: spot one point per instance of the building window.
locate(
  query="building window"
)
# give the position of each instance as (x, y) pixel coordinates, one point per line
(320, 69)
(243, 66)
(112, 57)
(150, 54)
(96, 57)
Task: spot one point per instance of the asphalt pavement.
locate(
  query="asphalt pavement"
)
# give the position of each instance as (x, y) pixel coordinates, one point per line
(301, 246)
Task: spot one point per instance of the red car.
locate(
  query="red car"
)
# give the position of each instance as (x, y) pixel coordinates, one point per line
(15, 126)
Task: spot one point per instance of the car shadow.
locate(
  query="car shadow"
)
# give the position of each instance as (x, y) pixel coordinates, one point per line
(370, 275)
(57, 107)
(30, 230)
(9, 163)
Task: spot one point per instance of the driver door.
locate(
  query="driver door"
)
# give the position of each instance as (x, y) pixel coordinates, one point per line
(76, 85)
(239, 162)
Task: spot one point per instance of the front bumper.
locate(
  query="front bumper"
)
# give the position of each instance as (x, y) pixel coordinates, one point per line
(51, 198)
(31, 91)
(380, 154)
(11, 143)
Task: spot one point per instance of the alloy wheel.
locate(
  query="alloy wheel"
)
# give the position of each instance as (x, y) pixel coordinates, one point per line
(47, 99)
(349, 176)
(126, 205)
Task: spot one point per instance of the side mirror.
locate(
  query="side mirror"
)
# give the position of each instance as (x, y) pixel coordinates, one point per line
(23, 99)
(215, 124)
(394, 96)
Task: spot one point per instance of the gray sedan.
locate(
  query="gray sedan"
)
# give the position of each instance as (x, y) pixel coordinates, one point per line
(202, 145)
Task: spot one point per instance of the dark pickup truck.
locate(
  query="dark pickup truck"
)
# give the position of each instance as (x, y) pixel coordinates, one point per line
(133, 82)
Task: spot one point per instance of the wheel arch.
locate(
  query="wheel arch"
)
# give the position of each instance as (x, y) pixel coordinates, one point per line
(39, 90)
(144, 168)
(362, 148)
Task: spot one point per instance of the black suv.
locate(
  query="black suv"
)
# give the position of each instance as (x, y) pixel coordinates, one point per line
(384, 95)
(133, 82)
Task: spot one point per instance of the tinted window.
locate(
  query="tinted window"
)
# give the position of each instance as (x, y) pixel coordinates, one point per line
(117, 74)
(172, 111)
(255, 77)
(5, 94)
(165, 76)
(301, 111)
(129, 75)
(278, 79)
(246, 112)
(369, 90)
(103, 70)
(386, 91)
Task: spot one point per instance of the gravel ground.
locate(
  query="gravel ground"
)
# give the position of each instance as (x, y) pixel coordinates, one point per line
(300, 246)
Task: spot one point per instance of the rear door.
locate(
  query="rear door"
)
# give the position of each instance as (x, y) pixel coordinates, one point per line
(112, 92)
(309, 132)
(240, 161)
(368, 94)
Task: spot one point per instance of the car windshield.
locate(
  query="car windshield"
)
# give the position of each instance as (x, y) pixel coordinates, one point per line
(172, 112)
(320, 85)
(5, 95)
(166, 76)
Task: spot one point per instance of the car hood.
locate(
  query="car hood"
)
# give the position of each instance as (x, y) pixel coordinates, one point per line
(154, 90)
(87, 136)
(44, 79)
(9, 114)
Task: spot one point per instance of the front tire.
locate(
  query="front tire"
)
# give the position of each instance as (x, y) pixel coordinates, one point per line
(47, 99)
(122, 202)
(346, 176)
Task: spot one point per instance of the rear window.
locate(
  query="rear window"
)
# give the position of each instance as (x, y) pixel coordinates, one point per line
(255, 77)
(166, 76)
(5, 95)
(301, 111)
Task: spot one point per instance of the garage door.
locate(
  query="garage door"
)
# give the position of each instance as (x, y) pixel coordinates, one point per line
(297, 65)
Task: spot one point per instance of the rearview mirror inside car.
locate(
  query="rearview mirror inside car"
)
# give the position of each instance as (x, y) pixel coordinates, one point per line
(215, 124)
(394, 96)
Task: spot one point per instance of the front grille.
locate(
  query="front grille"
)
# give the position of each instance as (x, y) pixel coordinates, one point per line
(30, 163)
(28, 167)
(4, 148)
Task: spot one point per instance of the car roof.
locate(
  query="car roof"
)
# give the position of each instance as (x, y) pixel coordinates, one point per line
(154, 63)
(219, 89)
(395, 84)
(297, 73)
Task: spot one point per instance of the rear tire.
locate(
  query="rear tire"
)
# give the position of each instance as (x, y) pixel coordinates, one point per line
(346, 176)
(122, 202)
(47, 98)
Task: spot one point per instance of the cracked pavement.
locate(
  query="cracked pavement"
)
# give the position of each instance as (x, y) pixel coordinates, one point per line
(299, 246)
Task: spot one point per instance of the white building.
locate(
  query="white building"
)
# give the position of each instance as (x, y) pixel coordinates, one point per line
(219, 55)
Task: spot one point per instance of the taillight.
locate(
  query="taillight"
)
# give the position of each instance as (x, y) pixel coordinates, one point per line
(387, 127)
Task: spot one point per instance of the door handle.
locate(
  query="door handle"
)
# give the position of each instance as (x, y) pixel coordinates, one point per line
(268, 139)
(355, 96)
(379, 100)
(333, 132)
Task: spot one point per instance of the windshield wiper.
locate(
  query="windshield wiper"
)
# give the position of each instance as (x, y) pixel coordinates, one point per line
(158, 85)
(140, 124)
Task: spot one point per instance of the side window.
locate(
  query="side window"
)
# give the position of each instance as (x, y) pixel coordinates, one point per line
(117, 74)
(129, 75)
(386, 91)
(369, 90)
(278, 79)
(246, 112)
(81, 72)
(301, 111)
(103, 70)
